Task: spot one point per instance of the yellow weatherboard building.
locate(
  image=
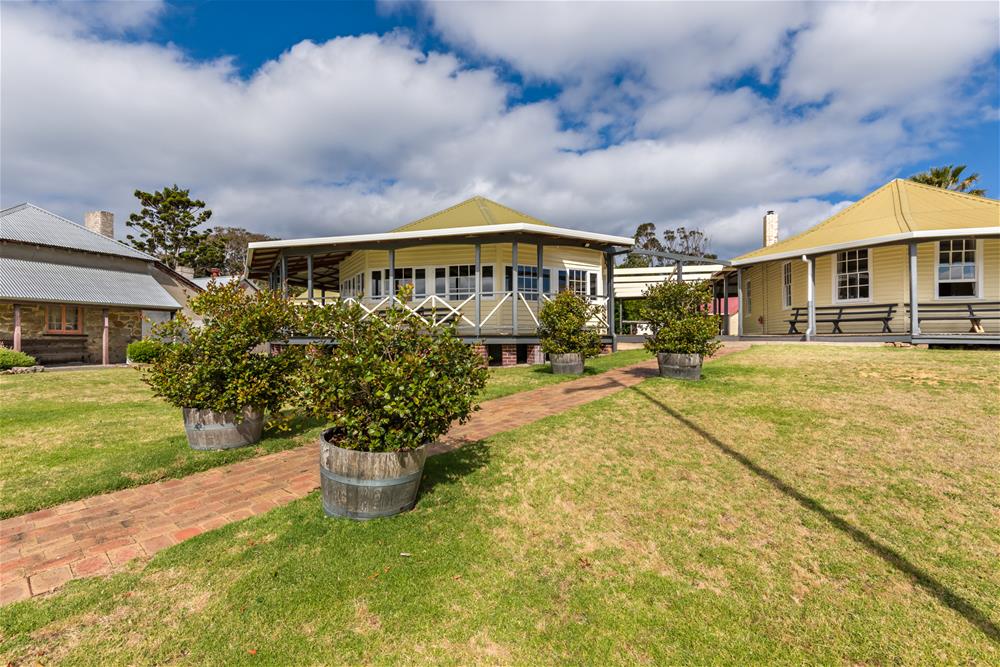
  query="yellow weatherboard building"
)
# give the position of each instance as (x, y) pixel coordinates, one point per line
(863, 270)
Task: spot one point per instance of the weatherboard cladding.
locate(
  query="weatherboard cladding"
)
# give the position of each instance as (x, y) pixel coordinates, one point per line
(27, 223)
(29, 280)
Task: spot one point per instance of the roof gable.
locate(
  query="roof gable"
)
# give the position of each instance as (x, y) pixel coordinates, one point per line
(474, 212)
(27, 223)
(898, 207)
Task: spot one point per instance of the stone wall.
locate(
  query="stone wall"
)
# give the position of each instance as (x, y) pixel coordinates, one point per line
(125, 325)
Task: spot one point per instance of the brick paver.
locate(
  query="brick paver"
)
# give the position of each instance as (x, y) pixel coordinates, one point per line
(41, 551)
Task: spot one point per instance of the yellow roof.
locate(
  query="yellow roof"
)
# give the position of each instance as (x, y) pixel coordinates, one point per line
(900, 209)
(472, 212)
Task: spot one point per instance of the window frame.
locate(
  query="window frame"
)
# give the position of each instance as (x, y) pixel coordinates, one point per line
(977, 281)
(835, 276)
(62, 319)
(786, 287)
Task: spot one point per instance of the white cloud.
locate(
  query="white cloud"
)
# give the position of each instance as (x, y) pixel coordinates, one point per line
(362, 133)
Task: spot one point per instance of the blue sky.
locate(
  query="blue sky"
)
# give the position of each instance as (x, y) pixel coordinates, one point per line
(315, 118)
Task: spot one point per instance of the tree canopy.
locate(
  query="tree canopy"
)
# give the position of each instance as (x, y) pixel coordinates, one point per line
(950, 177)
(168, 224)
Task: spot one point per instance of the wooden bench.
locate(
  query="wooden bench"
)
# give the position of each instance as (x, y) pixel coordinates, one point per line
(61, 349)
(836, 315)
(973, 311)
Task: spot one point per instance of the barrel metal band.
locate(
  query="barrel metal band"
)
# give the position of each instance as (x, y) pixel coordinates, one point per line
(209, 427)
(353, 481)
(348, 514)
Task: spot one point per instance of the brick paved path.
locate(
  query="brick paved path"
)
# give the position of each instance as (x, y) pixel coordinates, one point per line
(43, 550)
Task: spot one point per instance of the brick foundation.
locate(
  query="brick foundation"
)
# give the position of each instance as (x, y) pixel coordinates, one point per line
(508, 355)
(535, 354)
(481, 350)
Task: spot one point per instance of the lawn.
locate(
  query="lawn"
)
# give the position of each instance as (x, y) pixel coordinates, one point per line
(73, 434)
(801, 505)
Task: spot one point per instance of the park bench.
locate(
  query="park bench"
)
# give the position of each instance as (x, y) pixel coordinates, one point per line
(972, 311)
(837, 315)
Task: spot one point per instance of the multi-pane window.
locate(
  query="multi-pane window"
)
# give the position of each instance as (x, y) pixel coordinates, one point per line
(527, 281)
(377, 284)
(63, 318)
(957, 268)
(786, 284)
(577, 282)
(461, 281)
(352, 287)
(853, 279)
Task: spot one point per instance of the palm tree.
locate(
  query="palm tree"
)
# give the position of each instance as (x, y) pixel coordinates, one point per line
(950, 177)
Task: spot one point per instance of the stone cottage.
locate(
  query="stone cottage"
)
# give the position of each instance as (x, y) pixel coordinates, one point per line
(71, 293)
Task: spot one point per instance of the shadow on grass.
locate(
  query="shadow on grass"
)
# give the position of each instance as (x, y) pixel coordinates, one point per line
(449, 467)
(895, 559)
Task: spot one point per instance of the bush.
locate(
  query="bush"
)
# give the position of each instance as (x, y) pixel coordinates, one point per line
(11, 359)
(217, 364)
(392, 382)
(144, 351)
(564, 326)
(679, 316)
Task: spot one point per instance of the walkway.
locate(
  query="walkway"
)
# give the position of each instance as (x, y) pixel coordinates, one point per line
(41, 551)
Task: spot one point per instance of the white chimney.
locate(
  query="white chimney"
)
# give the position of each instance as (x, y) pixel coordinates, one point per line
(770, 228)
(102, 222)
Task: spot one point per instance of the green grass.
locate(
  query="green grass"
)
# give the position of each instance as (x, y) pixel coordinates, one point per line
(506, 381)
(801, 505)
(73, 434)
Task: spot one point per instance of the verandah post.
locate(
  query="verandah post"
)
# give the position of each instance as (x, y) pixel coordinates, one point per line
(105, 339)
(284, 276)
(609, 280)
(17, 327)
(513, 286)
(539, 267)
(391, 287)
(309, 277)
(914, 297)
(739, 302)
(479, 289)
(725, 304)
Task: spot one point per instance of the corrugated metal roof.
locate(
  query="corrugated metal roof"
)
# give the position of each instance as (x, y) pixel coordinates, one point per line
(28, 223)
(470, 213)
(898, 210)
(30, 280)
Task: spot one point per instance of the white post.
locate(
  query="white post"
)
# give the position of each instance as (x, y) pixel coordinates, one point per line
(17, 327)
(740, 314)
(309, 277)
(391, 288)
(105, 340)
(513, 287)
(914, 294)
(479, 289)
(810, 296)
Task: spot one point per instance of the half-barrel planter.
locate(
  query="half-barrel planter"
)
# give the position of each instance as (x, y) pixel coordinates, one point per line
(211, 430)
(366, 485)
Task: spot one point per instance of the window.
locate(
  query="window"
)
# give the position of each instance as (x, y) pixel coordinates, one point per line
(441, 282)
(593, 284)
(461, 281)
(786, 284)
(853, 279)
(488, 281)
(353, 287)
(527, 281)
(64, 319)
(956, 276)
(377, 283)
(577, 282)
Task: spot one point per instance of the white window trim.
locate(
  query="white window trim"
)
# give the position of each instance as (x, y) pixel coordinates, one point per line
(429, 273)
(554, 277)
(833, 278)
(791, 286)
(979, 274)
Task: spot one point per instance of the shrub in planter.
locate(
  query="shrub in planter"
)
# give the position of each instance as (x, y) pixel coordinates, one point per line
(390, 385)
(565, 332)
(216, 371)
(683, 328)
(12, 359)
(144, 351)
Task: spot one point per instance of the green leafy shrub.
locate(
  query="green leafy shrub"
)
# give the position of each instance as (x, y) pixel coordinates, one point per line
(392, 382)
(680, 319)
(144, 351)
(564, 326)
(11, 359)
(218, 364)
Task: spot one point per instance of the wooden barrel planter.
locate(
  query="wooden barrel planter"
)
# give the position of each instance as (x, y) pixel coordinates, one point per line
(367, 485)
(679, 366)
(210, 430)
(570, 363)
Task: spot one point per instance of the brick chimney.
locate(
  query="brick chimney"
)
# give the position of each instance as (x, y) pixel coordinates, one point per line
(770, 228)
(102, 222)
(215, 273)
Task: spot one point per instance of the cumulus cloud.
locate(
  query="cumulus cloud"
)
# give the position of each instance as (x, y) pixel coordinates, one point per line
(654, 120)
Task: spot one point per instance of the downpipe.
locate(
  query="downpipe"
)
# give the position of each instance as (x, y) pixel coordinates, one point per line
(810, 298)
